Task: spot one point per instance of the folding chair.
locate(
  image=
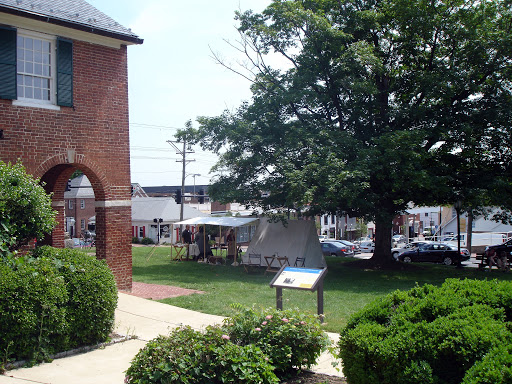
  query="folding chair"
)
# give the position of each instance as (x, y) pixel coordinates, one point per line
(299, 262)
(251, 260)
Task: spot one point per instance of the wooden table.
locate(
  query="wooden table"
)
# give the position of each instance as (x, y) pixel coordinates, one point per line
(282, 260)
(181, 253)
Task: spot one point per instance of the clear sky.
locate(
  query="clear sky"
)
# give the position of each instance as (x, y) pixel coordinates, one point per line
(173, 78)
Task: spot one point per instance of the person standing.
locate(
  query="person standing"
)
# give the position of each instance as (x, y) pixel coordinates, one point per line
(186, 238)
(231, 241)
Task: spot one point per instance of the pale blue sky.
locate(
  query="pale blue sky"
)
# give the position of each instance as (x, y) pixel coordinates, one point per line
(172, 77)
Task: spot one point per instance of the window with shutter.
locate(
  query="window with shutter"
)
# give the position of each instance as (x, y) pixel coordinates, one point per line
(35, 69)
(7, 63)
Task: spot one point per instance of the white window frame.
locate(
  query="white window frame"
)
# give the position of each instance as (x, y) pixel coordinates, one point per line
(70, 204)
(82, 204)
(82, 224)
(48, 104)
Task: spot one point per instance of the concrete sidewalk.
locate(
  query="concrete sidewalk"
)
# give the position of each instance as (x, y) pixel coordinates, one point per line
(145, 319)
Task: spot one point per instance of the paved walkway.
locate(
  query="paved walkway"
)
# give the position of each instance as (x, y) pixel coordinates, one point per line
(135, 316)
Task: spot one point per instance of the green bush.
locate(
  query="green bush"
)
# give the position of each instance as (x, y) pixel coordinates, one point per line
(135, 240)
(147, 241)
(291, 339)
(494, 368)
(57, 300)
(92, 294)
(188, 356)
(33, 299)
(24, 206)
(428, 334)
(250, 347)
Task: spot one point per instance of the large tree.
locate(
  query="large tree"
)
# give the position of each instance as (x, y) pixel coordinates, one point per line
(372, 104)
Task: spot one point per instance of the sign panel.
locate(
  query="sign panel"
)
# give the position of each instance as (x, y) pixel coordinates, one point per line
(298, 278)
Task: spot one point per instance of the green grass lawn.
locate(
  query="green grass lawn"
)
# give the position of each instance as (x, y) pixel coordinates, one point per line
(346, 289)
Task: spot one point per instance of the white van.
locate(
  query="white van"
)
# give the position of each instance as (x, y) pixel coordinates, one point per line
(478, 239)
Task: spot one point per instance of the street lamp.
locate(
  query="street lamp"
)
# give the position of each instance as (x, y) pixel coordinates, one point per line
(194, 176)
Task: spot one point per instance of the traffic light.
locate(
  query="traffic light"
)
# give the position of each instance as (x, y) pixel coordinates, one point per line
(201, 196)
(177, 198)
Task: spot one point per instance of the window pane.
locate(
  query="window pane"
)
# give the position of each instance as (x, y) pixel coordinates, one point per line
(29, 55)
(46, 46)
(46, 70)
(46, 94)
(28, 43)
(38, 57)
(29, 92)
(38, 69)
(19, 80)
(37, 82)
(20, 91)
(29, 68)
(38, 94)
(29, 80)
(20, 53)
(37, 45)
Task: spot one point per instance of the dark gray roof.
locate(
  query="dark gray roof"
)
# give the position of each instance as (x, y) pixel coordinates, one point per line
(76, 14)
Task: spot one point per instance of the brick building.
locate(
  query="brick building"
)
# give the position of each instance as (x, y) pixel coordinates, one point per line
(80, 208)
(64, 106)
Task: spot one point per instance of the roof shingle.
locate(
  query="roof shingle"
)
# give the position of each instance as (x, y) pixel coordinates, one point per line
(77, 14)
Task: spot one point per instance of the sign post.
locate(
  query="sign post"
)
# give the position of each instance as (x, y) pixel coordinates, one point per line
(309, 279)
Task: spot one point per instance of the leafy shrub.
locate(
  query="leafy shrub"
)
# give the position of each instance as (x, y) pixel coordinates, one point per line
(187, 356)
(135, 240)
(494, 368)
(92, 294)
(24, 205)
(147, 241)
(55, 301)
(291, 339)
(428, 334)
(33, 301)
(250, 347)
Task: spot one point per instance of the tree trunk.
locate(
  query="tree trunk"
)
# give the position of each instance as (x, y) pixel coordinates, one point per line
(382, 255)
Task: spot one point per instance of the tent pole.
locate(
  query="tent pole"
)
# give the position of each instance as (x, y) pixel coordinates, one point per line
(235, 264)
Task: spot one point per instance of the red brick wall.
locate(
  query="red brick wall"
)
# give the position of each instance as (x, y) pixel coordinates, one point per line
(93, 136)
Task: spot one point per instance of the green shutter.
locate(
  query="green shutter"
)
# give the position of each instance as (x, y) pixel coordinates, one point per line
(8, 63)
(64, 72)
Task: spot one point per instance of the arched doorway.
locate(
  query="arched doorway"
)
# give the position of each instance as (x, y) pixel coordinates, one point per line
(112, 215)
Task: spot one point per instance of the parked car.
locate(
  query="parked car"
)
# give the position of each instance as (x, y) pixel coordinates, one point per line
(408, 247)
(447, 254)
(336, 248)
(499, 249)
(367, 246)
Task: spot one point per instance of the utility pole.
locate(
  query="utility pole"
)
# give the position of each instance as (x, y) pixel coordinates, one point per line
(183, 152)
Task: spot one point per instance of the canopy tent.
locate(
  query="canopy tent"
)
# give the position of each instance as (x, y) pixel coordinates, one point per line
(221, 221)
(224, 221)
(297, 239)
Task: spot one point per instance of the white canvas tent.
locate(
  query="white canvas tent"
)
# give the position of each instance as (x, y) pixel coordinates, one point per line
(297, 239)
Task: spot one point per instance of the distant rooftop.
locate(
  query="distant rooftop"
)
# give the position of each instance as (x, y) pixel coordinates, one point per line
(76, 14)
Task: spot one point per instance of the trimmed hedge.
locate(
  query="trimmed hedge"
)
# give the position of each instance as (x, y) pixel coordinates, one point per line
(58, 300)
(431, 335)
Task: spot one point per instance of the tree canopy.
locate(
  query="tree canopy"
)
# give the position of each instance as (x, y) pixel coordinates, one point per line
(373, 104)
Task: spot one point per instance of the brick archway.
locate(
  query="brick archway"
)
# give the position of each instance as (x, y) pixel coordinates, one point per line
(113, 217)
